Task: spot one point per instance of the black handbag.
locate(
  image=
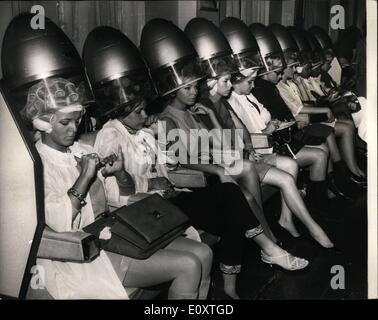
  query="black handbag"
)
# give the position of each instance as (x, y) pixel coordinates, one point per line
(285, 141)
(340, 105)
(142, 228)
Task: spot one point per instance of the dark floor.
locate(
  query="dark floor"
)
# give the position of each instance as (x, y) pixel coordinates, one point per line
(258, 281)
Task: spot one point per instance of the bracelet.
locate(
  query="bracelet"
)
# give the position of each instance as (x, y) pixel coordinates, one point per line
(79, 196)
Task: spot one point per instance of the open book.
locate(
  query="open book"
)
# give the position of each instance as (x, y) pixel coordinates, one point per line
(284, 125)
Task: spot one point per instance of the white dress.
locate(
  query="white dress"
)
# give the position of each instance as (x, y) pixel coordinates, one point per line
(254, 120)
(67, 280)
(140, 152)
(143, 159)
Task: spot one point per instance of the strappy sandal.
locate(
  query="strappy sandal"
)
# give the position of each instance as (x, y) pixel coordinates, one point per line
(286, 261)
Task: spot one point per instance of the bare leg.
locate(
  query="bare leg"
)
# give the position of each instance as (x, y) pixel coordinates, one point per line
(295, 203)
(317, 160)
(205, 256)
(182, 268)
(229, 281)
(286, 218)
(345, 130)
(333, 148)
(249, 182)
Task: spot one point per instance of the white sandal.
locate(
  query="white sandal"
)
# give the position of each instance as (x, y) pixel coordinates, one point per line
(286, 261)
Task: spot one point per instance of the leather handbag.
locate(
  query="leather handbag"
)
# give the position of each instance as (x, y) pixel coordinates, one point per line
(262, 143)
(142, 228)
(187, 178)
(285, 141)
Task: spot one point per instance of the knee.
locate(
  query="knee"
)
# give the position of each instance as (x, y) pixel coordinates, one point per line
(286, 180)
(190, 265)
(289, 165)
(344, 129)
(249, 197)
(325, 149)
(320, 157)
(204, 253)
(249, 169)
(349, 123)
(348, 127)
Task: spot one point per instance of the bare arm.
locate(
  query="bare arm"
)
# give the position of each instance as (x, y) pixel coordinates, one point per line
(81, 186)
(318, 110)
(114, 167)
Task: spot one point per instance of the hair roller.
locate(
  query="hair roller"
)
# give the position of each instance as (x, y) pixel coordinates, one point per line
(72, 94)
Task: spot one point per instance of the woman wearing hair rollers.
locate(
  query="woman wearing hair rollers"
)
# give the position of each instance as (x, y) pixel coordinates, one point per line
(121, 94)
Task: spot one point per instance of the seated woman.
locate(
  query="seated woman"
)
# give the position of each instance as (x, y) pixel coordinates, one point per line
(291, 95)
(177, 116)
(75, 195)
(278, 171)
(208, 208)
(344, 128)
(330, 86)
(265, 93)
(258, 119)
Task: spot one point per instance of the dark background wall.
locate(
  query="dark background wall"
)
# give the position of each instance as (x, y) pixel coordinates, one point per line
(88, 14)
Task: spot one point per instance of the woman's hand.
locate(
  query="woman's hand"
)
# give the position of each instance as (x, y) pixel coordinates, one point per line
(332, 96)
(88, 164)
(160, 183)
(257, 157)
(113, 164)
(276, 123)
(226, 178)
(252, 155)
(297, 80)
(151, 120)
(199, 108)
(270, 128)
(152, 123)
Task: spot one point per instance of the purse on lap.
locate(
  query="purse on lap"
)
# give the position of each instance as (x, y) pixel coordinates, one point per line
(262, 143)
(187, 178)
(285, 141)
(142, 228)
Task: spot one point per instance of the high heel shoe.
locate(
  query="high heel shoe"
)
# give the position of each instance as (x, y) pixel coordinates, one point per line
(332, 250)
(286, 261)
(359, 181)
(286, 233)
(338, 192)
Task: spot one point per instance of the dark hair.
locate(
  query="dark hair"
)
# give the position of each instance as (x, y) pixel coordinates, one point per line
(236, 78)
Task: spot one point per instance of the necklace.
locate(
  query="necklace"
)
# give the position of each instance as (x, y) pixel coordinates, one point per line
(148, 150)
(129, 129)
